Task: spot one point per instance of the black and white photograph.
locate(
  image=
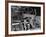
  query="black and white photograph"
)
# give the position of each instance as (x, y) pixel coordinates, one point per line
(25, 18)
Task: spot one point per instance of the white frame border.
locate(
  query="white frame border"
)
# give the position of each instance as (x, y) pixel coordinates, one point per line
(23, 32)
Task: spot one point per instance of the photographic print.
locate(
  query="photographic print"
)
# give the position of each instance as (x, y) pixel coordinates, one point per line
(25, 18)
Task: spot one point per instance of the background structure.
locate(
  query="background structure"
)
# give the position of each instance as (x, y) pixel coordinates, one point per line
(2, 18)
